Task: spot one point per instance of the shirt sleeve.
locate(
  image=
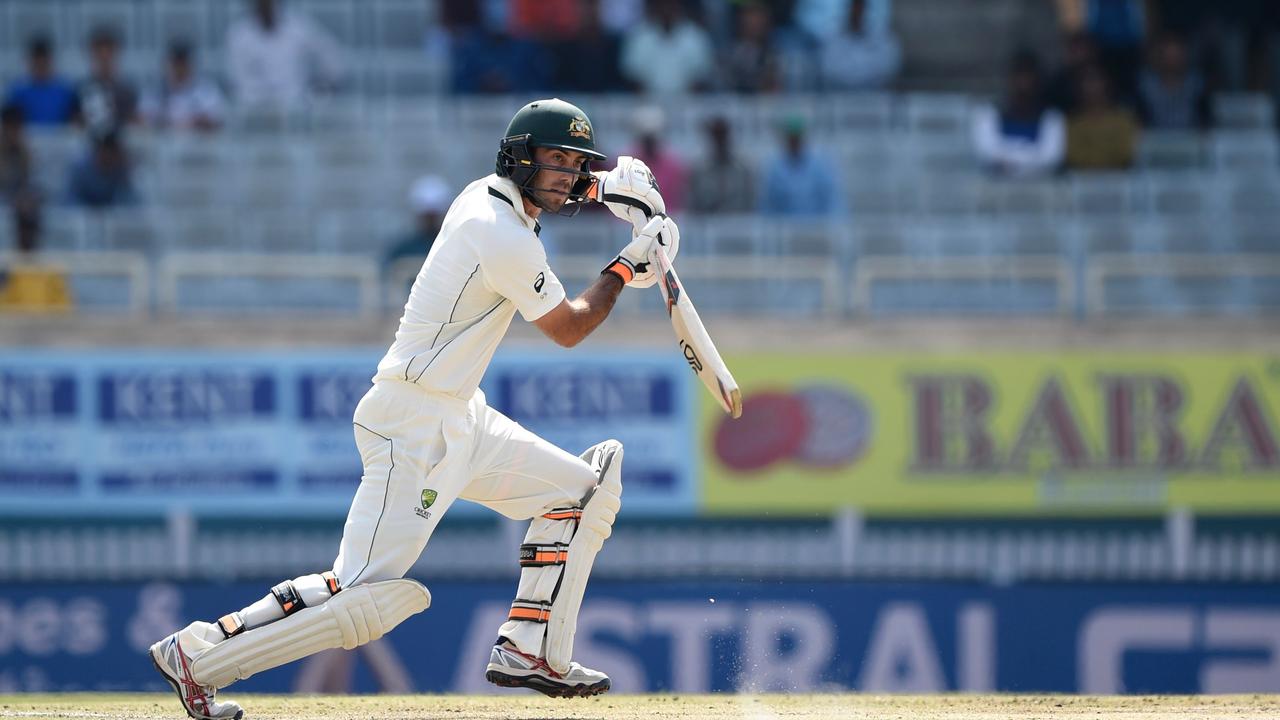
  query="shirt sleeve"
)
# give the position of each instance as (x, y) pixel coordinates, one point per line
(515, 266)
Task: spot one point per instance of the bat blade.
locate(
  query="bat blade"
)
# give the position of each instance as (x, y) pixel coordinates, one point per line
(694, 341)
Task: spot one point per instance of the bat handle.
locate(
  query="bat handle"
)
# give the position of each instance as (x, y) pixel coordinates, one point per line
(597, 187)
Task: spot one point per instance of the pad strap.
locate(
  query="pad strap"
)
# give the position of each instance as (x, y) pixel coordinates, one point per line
(530, 610)
(331, 581)
(231, 625)
(569, 513)
(534, 555)
(287, 595)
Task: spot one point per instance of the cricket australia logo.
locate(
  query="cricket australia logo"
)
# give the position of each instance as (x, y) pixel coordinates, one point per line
(578, 127)
(428, 498)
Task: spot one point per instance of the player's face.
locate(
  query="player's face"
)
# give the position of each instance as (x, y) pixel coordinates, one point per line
(556, 185)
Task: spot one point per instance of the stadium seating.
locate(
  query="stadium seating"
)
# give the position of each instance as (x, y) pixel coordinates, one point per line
(925, 231)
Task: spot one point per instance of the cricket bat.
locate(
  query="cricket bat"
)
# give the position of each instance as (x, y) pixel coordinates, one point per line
(695, 343)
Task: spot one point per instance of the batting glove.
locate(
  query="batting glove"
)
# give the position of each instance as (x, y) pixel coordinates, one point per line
(633, 264)
(631, 193)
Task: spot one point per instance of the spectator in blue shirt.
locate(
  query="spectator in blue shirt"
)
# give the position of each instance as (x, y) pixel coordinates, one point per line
(489, 61)
(44, 98)
(799, 182)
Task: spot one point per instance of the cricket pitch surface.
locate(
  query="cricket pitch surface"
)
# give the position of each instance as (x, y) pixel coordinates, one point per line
(521, 706)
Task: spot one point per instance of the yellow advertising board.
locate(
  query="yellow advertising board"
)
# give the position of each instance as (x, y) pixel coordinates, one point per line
(997, 434)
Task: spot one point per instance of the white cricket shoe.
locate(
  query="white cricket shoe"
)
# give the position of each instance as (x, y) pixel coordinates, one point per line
(508, 667)
(175, 665)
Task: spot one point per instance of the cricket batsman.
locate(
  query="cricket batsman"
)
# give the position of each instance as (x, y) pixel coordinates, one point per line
(426, 436)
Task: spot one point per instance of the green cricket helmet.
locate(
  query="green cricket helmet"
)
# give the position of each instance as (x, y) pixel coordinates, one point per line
(551, 123)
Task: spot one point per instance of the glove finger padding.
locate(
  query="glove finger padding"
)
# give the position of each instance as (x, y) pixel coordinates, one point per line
(631, 193)
(633, 263)
(667, 234)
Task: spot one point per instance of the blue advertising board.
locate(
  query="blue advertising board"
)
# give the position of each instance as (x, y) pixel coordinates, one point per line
(706, 637)
(271, 432)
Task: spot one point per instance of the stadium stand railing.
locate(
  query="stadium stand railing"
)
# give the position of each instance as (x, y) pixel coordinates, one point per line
(1178, 546)
(930, 267)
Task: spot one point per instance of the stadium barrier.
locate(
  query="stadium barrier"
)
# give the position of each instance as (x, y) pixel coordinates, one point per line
(708, 636)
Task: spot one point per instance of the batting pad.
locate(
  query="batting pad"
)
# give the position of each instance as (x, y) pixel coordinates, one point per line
(595, 526)
(353, 617)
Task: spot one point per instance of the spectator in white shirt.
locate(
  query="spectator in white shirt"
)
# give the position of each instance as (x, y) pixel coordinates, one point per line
(276, 58)
(1025, 138)
(860, 58)
(668, 53)
(183, 100)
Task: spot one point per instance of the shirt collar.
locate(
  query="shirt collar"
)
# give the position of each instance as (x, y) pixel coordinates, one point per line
(508, 192)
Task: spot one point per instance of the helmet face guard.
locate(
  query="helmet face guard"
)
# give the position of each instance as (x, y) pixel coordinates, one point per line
(515, 161)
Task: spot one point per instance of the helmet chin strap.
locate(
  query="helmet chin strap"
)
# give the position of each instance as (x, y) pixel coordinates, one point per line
(534, 194)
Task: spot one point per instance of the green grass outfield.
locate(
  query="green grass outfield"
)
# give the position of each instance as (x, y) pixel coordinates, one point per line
(522, 706)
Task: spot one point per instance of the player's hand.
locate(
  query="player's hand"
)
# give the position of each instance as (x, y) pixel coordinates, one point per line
(634, 263)
(631, 193)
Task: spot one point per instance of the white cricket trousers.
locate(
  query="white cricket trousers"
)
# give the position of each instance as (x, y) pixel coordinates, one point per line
(421, 451)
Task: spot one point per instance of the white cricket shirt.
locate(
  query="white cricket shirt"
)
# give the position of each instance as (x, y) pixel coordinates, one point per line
(486, 263)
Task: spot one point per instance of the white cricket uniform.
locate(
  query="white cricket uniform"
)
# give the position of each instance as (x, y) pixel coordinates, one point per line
(425, 434)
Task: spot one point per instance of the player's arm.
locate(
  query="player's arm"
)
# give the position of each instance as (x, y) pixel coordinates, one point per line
(572, 320)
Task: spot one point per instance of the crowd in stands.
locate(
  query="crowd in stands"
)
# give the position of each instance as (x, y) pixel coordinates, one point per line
(1128, 66)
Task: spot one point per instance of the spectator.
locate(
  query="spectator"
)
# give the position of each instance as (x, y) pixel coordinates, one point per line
(183, 100)
(1119, 28)
(799, 182)
(486, 60)
(1081, 56)
(750, 63)
(28, 285)
(454, 19)
(1235, 36)
(723, 183)
(1024, 138)
(1171, 95)
(588, 62)
(1101, 134)
(107, 102)
(667, 54)
(621, 15)
(429, 199)
(860, 58)
(546, 20)
(277, 58)
(824, 19)
(102, 179)
(15, 156)
(799, 58)
(44, 98)
(668, 169)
